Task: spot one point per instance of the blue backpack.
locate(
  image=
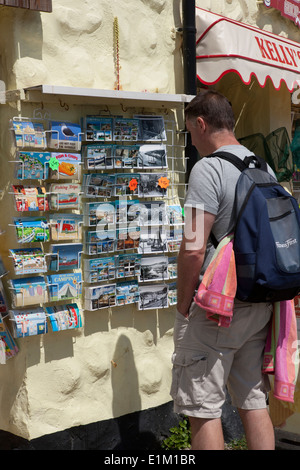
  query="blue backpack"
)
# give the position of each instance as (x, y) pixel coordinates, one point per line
(266, 227)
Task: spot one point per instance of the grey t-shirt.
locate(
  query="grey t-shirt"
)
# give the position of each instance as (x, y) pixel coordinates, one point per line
(212, 184)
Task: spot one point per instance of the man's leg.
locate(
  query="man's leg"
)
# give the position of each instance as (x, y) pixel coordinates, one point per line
(258, 428)
(207, 434)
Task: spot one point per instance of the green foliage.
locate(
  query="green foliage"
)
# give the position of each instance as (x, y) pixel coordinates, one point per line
(180, 437)
(237, 444)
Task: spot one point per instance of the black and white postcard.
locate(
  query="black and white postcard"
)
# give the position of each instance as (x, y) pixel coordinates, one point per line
(153, 296)
(152, 156)
(151, 128)
(153, 184)
(153, 240)
(154, 268)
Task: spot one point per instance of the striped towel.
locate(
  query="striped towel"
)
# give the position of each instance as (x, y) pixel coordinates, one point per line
(281, 351)
(217, 290)
(216, 295)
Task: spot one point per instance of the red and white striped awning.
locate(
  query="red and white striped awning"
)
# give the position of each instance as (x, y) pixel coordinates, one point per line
(225, 45)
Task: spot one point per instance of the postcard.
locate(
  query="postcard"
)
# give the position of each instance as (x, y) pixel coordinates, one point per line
(31, 229)
(98, 128)
(65, 196)
(98, 185)
(153, 240)
(98, 156)
(29, 322)
(28, 261)
(127, 265)
(99, 269)
(152, 156)
(154, 268)
(66, 226)
(30, 198)
(65, 256)
(172, 293)
(3, 269)
(127, 212)
(3, 299)
(64, 317)
(28, 291)
(100, 241)
(102, 296)
(151, 128)
(128, 238)
(29, 134)
(64, 286)
(175, 214)
(126, 184)
(153, 213)
(65, 166)
(125, 129)
(127, 292)
(153, 184)
(32, 165)
(65, 135)
(153, 296)
(10, 347)
(99, 214)
(172, 267)
(126, 156)
(174, 238)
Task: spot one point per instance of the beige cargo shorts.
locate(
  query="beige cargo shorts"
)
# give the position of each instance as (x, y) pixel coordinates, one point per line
(208, 358)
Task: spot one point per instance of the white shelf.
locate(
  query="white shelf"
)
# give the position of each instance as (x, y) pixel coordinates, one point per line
(50, 93)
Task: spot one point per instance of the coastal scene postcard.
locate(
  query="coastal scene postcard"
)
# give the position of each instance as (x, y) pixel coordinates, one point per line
(98, 156)
(29, 133)
(28, 291)
(28, 260)
(65, 256)
(98, 128)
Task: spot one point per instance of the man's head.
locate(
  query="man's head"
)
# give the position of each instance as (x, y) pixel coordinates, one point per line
(210, 120)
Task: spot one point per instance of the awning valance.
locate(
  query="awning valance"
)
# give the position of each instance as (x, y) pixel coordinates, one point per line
(225, 45)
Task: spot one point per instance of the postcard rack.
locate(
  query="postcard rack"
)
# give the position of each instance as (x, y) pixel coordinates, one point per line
(98, 217)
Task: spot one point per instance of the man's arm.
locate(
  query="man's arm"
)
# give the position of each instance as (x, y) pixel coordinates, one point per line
(198, 225)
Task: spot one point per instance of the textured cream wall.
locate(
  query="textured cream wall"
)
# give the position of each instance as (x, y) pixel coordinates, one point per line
(120, 361)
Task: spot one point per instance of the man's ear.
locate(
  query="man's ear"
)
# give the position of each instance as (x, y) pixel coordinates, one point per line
(201, 124)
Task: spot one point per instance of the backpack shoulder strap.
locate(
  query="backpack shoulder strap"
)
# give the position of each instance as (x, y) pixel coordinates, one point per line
(241, 164)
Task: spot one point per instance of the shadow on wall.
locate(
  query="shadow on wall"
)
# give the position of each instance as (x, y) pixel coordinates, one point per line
(126, 399)
(21, 40)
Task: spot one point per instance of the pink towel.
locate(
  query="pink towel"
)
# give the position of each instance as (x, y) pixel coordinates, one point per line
(216, 295)
(217, 290)
(281, 352)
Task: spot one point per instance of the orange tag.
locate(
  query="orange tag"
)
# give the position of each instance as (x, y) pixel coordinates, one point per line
(163, 182)
(133, 184)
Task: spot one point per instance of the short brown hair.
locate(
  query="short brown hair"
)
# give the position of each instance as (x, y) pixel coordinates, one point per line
(214, 108)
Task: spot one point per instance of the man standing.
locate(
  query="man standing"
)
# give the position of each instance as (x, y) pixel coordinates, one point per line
(207, 357)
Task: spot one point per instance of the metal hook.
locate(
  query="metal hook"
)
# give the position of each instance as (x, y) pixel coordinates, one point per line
(64, 105)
